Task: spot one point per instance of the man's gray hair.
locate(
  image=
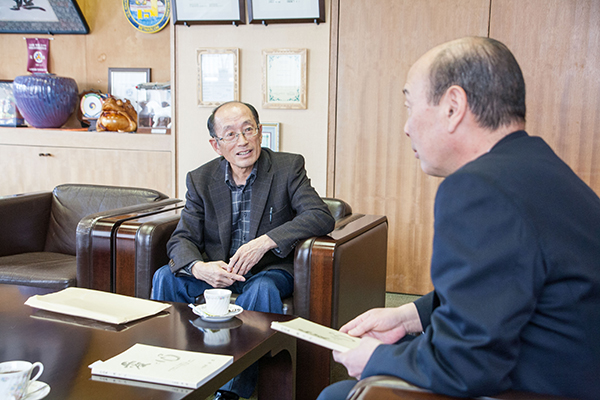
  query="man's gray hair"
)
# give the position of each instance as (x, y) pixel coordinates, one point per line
(210, 124)
(489, 74)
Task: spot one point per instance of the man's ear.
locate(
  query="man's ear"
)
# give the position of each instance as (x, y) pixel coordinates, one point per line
(455, 106)
(215, 145)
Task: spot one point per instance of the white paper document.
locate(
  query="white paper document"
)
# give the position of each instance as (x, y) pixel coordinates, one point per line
(101, 306)
(317, 334)
(162, 365)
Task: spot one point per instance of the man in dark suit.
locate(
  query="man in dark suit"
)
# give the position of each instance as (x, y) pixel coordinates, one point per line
(516, 249)
(245, 211)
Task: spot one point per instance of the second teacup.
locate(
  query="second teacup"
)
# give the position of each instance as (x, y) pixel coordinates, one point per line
(15, 377)
(217, 301)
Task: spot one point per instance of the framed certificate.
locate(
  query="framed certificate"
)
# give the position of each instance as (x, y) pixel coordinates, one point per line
(284, 78)
(190, 12)
(282, 11)
(218, 76)
(270, 135)
(122, 83)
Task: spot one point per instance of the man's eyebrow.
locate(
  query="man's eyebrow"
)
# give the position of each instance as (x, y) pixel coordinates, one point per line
(405, 91)
(226, 127)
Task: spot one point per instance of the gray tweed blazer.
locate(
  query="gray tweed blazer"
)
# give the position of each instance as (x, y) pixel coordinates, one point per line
(284, 206)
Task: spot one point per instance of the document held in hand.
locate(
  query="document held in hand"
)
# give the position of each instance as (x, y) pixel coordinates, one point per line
(162, 365)
(317, 334)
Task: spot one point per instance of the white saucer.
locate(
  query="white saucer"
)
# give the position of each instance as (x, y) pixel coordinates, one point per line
(233, 311)
(37, 390)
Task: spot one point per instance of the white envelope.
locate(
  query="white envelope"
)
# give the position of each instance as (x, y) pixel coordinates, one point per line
(101, 306)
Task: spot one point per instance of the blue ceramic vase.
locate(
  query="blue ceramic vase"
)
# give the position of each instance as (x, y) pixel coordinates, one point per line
(45, 100)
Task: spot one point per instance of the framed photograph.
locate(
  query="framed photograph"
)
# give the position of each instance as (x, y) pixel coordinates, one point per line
(42, 16)
(190, 12)
(218, 76)
(270, 135)
(122, 83)
(269, 11)
(284, 78)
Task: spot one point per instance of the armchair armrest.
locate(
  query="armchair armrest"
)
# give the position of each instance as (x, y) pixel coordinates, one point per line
(381, 387)
(96, 234)
(141, 249)
(337, 277)
(24, 222)
(330, 270)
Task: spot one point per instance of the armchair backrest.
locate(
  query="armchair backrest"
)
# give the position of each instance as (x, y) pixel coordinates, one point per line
(24, 222)
(339, 208)
(72, 202)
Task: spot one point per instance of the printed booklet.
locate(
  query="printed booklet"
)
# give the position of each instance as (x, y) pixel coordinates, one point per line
(317, 334)
(162, 365)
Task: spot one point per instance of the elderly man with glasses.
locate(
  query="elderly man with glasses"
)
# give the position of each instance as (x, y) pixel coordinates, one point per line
(245, 211)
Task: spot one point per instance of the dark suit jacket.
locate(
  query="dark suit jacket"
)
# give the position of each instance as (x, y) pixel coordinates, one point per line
(516, 271)
(284, 205)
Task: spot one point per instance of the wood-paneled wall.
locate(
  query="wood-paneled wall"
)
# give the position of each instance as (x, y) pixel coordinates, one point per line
(557, 44)
(371, 164)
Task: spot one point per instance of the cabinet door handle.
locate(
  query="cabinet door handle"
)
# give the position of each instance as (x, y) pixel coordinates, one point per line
(45, 155)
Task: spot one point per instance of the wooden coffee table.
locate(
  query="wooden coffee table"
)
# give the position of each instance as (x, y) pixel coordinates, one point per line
(68, 345)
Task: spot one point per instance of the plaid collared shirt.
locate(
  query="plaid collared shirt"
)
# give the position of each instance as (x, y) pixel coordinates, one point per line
(241, 197)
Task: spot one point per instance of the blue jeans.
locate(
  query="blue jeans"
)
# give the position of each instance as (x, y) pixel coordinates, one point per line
(261, 292)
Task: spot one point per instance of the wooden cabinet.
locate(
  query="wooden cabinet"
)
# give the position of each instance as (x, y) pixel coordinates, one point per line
(39, 159)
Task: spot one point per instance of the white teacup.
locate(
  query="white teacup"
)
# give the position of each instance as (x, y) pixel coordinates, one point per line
(15, 377)
(217, 301)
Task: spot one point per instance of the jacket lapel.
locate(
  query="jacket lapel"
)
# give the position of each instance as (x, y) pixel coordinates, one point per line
(221, 200)
(260, 192)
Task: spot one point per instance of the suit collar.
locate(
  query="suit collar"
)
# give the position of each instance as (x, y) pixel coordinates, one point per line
(221, 199)
(510, 137)
(260, 190)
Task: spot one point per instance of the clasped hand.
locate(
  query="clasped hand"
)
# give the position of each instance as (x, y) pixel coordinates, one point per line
(219, 274)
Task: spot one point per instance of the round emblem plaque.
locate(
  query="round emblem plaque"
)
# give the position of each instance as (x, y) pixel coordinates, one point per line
(148, 16)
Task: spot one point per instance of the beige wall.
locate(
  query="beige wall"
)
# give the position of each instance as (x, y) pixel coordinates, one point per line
(302, 131)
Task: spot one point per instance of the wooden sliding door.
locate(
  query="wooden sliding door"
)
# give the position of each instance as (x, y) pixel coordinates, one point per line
(374, 167)
(374, 43)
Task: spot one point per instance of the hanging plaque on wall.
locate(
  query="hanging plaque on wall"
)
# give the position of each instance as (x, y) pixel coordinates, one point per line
(37, 16)
(284, 78)
(190, 12)
(218, 76)
(148, 16)
(278, 11)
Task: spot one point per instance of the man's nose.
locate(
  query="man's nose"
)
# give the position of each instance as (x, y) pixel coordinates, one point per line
(242, 137)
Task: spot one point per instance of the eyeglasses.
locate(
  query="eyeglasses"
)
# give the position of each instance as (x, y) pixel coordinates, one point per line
(230, 137)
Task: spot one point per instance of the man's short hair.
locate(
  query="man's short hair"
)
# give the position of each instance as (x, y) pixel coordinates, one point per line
(489, 74)
(211, 119)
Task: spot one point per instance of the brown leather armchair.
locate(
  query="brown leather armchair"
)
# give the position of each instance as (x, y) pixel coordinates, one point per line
(336, 277)
(42, 241)
(392, 388)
